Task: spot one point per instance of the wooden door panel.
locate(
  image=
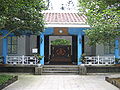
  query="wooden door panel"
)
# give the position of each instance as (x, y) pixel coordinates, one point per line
(61, 53)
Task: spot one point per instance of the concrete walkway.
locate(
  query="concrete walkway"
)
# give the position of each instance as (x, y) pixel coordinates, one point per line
(63, 82)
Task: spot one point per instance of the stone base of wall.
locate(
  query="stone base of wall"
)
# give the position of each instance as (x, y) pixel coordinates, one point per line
(17, 69)
(103, 69)
(38, 70)
(83, 70)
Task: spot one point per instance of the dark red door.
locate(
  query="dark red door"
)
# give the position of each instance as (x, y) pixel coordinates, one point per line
(61, 53)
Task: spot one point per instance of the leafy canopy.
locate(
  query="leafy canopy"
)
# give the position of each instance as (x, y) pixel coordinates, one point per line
(22, 16)
(104, 18)
(60, 42)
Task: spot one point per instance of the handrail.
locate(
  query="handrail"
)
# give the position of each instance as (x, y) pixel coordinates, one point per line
(22, 60)
(99, 60)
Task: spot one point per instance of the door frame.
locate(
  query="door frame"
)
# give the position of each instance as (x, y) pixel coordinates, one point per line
(73, 49)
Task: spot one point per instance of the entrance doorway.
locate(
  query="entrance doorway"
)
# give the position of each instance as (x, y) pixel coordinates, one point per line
(60, 54)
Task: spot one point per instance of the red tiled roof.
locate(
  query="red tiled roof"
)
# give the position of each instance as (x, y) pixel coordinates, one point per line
(64, 18)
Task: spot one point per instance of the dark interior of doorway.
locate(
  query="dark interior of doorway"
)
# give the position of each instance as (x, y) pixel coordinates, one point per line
(38, 43)
(74, 49)
(83, 44)
(74, 52)
(46, 48)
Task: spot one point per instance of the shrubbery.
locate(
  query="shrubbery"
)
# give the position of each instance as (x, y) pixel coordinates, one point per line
(5, 78)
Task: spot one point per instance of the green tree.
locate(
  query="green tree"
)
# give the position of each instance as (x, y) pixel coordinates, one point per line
(104, 18)
(22, 16)
(60, 42)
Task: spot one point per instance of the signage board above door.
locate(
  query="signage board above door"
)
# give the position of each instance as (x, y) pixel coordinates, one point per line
(60, 31)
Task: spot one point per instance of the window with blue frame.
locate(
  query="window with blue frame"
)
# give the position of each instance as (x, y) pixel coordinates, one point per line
(109, 48)
(12, 45)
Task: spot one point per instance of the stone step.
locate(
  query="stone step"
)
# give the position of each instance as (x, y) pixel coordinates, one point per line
(59, 73)
(61, 69)
(64, 69)
(62, 66)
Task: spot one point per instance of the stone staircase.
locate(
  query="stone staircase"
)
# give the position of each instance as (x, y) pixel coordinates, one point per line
(60, 69)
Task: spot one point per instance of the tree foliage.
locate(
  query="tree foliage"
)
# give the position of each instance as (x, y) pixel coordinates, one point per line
(104, 18)
(60, 42)
(22, 16)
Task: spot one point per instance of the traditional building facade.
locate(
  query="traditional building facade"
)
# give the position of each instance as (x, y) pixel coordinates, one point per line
(59, 25)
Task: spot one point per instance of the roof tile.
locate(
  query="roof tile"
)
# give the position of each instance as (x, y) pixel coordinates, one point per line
(64, 17)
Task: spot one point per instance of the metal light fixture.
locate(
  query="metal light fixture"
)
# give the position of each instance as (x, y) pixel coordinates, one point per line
(60, 31)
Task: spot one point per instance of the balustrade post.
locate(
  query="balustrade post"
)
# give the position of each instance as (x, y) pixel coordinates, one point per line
(94, 60)
(35, 60)
(98, 59)
(27, 59)
(114, 59)
(6, 59)
(23, 59)
(111, 60)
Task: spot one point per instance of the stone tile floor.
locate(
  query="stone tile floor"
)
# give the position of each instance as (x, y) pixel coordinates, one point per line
(62, 82)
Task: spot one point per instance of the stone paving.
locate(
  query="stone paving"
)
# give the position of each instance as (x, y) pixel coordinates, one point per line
(63, 82)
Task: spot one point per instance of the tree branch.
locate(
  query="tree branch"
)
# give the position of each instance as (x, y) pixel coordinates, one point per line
(8, 33)
(13, 31)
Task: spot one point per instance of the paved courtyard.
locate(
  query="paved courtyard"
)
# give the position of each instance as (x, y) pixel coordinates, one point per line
(62, 82)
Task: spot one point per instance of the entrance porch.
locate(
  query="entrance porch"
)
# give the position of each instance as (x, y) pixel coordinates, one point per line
(53, 54)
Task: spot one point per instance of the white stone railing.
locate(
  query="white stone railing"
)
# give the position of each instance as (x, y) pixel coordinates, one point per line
(32, 60)
(99, 60)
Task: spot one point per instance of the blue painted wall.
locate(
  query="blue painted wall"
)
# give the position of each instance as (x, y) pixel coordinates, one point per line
(4, 49)
(4, 45)
(75, 31)
(48, 31)
(79, 48)
(116, 48)
(42, 47)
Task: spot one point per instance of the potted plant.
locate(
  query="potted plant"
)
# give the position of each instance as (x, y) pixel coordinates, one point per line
(83, 60)
(117, 60)
(38, 58)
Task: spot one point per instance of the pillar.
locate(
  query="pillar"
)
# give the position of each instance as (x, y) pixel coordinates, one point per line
(4, 48)
(117, 48)
(79, 48)
(42, 48)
